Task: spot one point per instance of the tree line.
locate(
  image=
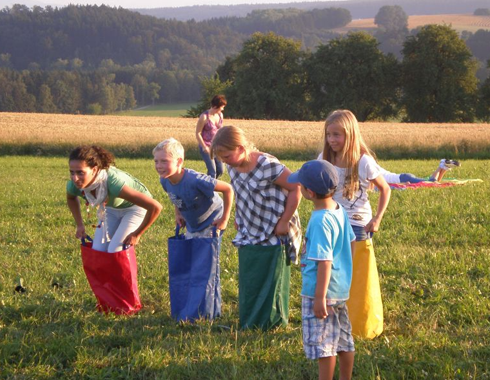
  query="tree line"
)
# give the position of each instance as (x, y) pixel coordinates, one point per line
(359, 9)
(63, 92)
(104, 50)
(42, 37)
(107, 52)
(272, 78)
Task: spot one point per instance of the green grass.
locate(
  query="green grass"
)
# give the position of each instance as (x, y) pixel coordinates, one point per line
(433, 257)
(160, 110)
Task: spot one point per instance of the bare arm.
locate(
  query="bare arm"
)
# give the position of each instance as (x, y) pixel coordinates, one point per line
(322, 281)
(152, 207)
(227, 191)
(199, 127)
(74, 205)
(384, 199)
(292, 202)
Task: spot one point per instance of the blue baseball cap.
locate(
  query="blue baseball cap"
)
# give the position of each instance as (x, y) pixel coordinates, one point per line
(319, 176)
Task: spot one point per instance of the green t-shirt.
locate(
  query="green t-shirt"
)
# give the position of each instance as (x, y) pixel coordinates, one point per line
(116, 179)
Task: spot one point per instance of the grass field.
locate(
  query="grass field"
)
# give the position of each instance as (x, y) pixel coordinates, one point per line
(160, 110)
(44, 134)
(433, 255)
(458, 22)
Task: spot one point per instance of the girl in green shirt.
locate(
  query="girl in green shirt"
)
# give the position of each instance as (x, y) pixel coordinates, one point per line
(125, 207)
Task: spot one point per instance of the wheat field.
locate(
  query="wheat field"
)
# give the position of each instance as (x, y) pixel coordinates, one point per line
(46, 134)
(459, 22)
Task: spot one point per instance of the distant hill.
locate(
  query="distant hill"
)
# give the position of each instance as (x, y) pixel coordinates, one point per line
(359, 9)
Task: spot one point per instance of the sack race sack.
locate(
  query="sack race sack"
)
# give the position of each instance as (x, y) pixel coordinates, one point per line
(194, 281)
(264, 274)
(113, 278)
(365, 305)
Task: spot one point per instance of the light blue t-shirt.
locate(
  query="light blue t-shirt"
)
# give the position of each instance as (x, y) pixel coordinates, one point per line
(195, 198)
(328, 238)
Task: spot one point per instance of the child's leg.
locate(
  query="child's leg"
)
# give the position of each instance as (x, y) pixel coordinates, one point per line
(130, 220)
(407, 177)
(97, 243)
(112, 220)
(438, 174)
(444, 166)
(346, 344)
(326, 368)
(346, 364)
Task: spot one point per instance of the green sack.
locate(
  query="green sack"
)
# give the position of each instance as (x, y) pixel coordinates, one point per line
(264, 273)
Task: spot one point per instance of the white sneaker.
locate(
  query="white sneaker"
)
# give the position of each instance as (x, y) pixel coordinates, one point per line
(448, 164)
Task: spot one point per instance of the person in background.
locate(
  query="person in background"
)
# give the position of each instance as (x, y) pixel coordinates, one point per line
(444, 166)
(209, 123)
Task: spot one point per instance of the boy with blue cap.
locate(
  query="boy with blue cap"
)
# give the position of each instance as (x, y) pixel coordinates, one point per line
(326, 266)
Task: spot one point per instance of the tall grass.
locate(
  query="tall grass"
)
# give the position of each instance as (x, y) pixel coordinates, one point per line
(433, 257)
(43, 134)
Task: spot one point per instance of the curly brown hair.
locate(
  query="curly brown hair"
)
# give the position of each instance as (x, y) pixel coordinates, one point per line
(93, 155)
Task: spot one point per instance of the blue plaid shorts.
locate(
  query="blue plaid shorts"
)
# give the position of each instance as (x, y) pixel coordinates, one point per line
(326, 337)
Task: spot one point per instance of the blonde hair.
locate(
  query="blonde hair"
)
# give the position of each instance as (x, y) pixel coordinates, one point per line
(230, 138)
(171, 146)
(354, 148)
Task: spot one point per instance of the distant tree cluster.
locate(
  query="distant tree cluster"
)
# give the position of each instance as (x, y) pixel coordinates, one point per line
(287, 22)
(392, 22)
(63, 92)
(272, 78)
(160, 60)
(482, 12)
(42, 36)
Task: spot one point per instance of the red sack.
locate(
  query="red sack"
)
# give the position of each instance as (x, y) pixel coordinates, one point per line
(113, 278)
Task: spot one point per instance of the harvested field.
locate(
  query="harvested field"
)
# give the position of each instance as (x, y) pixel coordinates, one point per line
(459, 22)
(135, 136)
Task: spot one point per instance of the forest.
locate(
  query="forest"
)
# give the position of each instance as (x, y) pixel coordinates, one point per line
(357, 8)
(111, 59)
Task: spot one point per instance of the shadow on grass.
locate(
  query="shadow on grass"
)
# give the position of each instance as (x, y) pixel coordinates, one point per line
(68, 340)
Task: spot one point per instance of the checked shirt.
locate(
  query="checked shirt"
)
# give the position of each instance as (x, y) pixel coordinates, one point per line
(259, 205)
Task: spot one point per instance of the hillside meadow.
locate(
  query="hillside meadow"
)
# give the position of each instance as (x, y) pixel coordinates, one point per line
(47, 134)
(458, 22)
(433, 254)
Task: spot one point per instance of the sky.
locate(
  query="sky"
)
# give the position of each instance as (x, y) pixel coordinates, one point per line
(145, 3)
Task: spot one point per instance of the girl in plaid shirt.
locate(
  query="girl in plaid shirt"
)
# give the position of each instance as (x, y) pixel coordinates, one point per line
(265, 217)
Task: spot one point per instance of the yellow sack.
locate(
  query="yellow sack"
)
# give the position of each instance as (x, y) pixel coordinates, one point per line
(365, 305)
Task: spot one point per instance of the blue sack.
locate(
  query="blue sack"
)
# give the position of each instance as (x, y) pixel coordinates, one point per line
(194, 281)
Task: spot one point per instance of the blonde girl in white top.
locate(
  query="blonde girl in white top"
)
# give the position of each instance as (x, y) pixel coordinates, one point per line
(345, 148)
(358, 171)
